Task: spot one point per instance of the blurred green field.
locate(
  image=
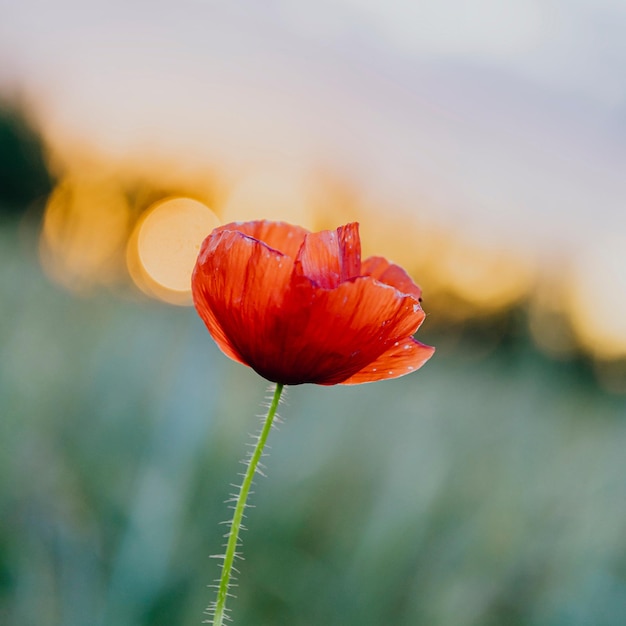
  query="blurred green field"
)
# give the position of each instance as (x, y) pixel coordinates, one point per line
(487, 489)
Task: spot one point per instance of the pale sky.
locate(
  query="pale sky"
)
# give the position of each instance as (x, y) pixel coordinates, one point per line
(506, 119)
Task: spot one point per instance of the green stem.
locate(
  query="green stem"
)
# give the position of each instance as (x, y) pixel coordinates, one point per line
(235, 525)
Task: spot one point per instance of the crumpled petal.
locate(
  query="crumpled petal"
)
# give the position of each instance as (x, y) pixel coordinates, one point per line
(300, 307)
(285, 238)
(379, 268)
(330, 257)
(403, 358)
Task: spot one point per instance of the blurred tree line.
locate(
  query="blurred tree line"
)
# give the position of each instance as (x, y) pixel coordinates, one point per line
(25, 180)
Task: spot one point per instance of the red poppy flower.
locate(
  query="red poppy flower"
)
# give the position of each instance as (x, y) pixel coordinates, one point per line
(301, 307)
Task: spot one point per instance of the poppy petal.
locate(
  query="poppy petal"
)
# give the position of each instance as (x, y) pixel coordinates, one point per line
(403, 358)
(330, 257)
(300, 308)
(328, 335)
(238, 285)
(281, 236)
(349, 250)
(379, 268)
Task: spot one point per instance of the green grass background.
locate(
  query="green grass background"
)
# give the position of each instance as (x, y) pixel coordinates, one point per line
(487, 489)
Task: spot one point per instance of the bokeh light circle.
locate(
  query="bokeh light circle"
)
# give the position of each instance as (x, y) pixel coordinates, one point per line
(166, 244)
(596, 297)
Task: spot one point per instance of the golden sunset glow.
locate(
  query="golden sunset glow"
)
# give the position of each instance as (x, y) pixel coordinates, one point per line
(88, 226)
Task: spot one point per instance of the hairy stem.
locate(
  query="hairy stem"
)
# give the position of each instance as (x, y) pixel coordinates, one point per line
(240, 506)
